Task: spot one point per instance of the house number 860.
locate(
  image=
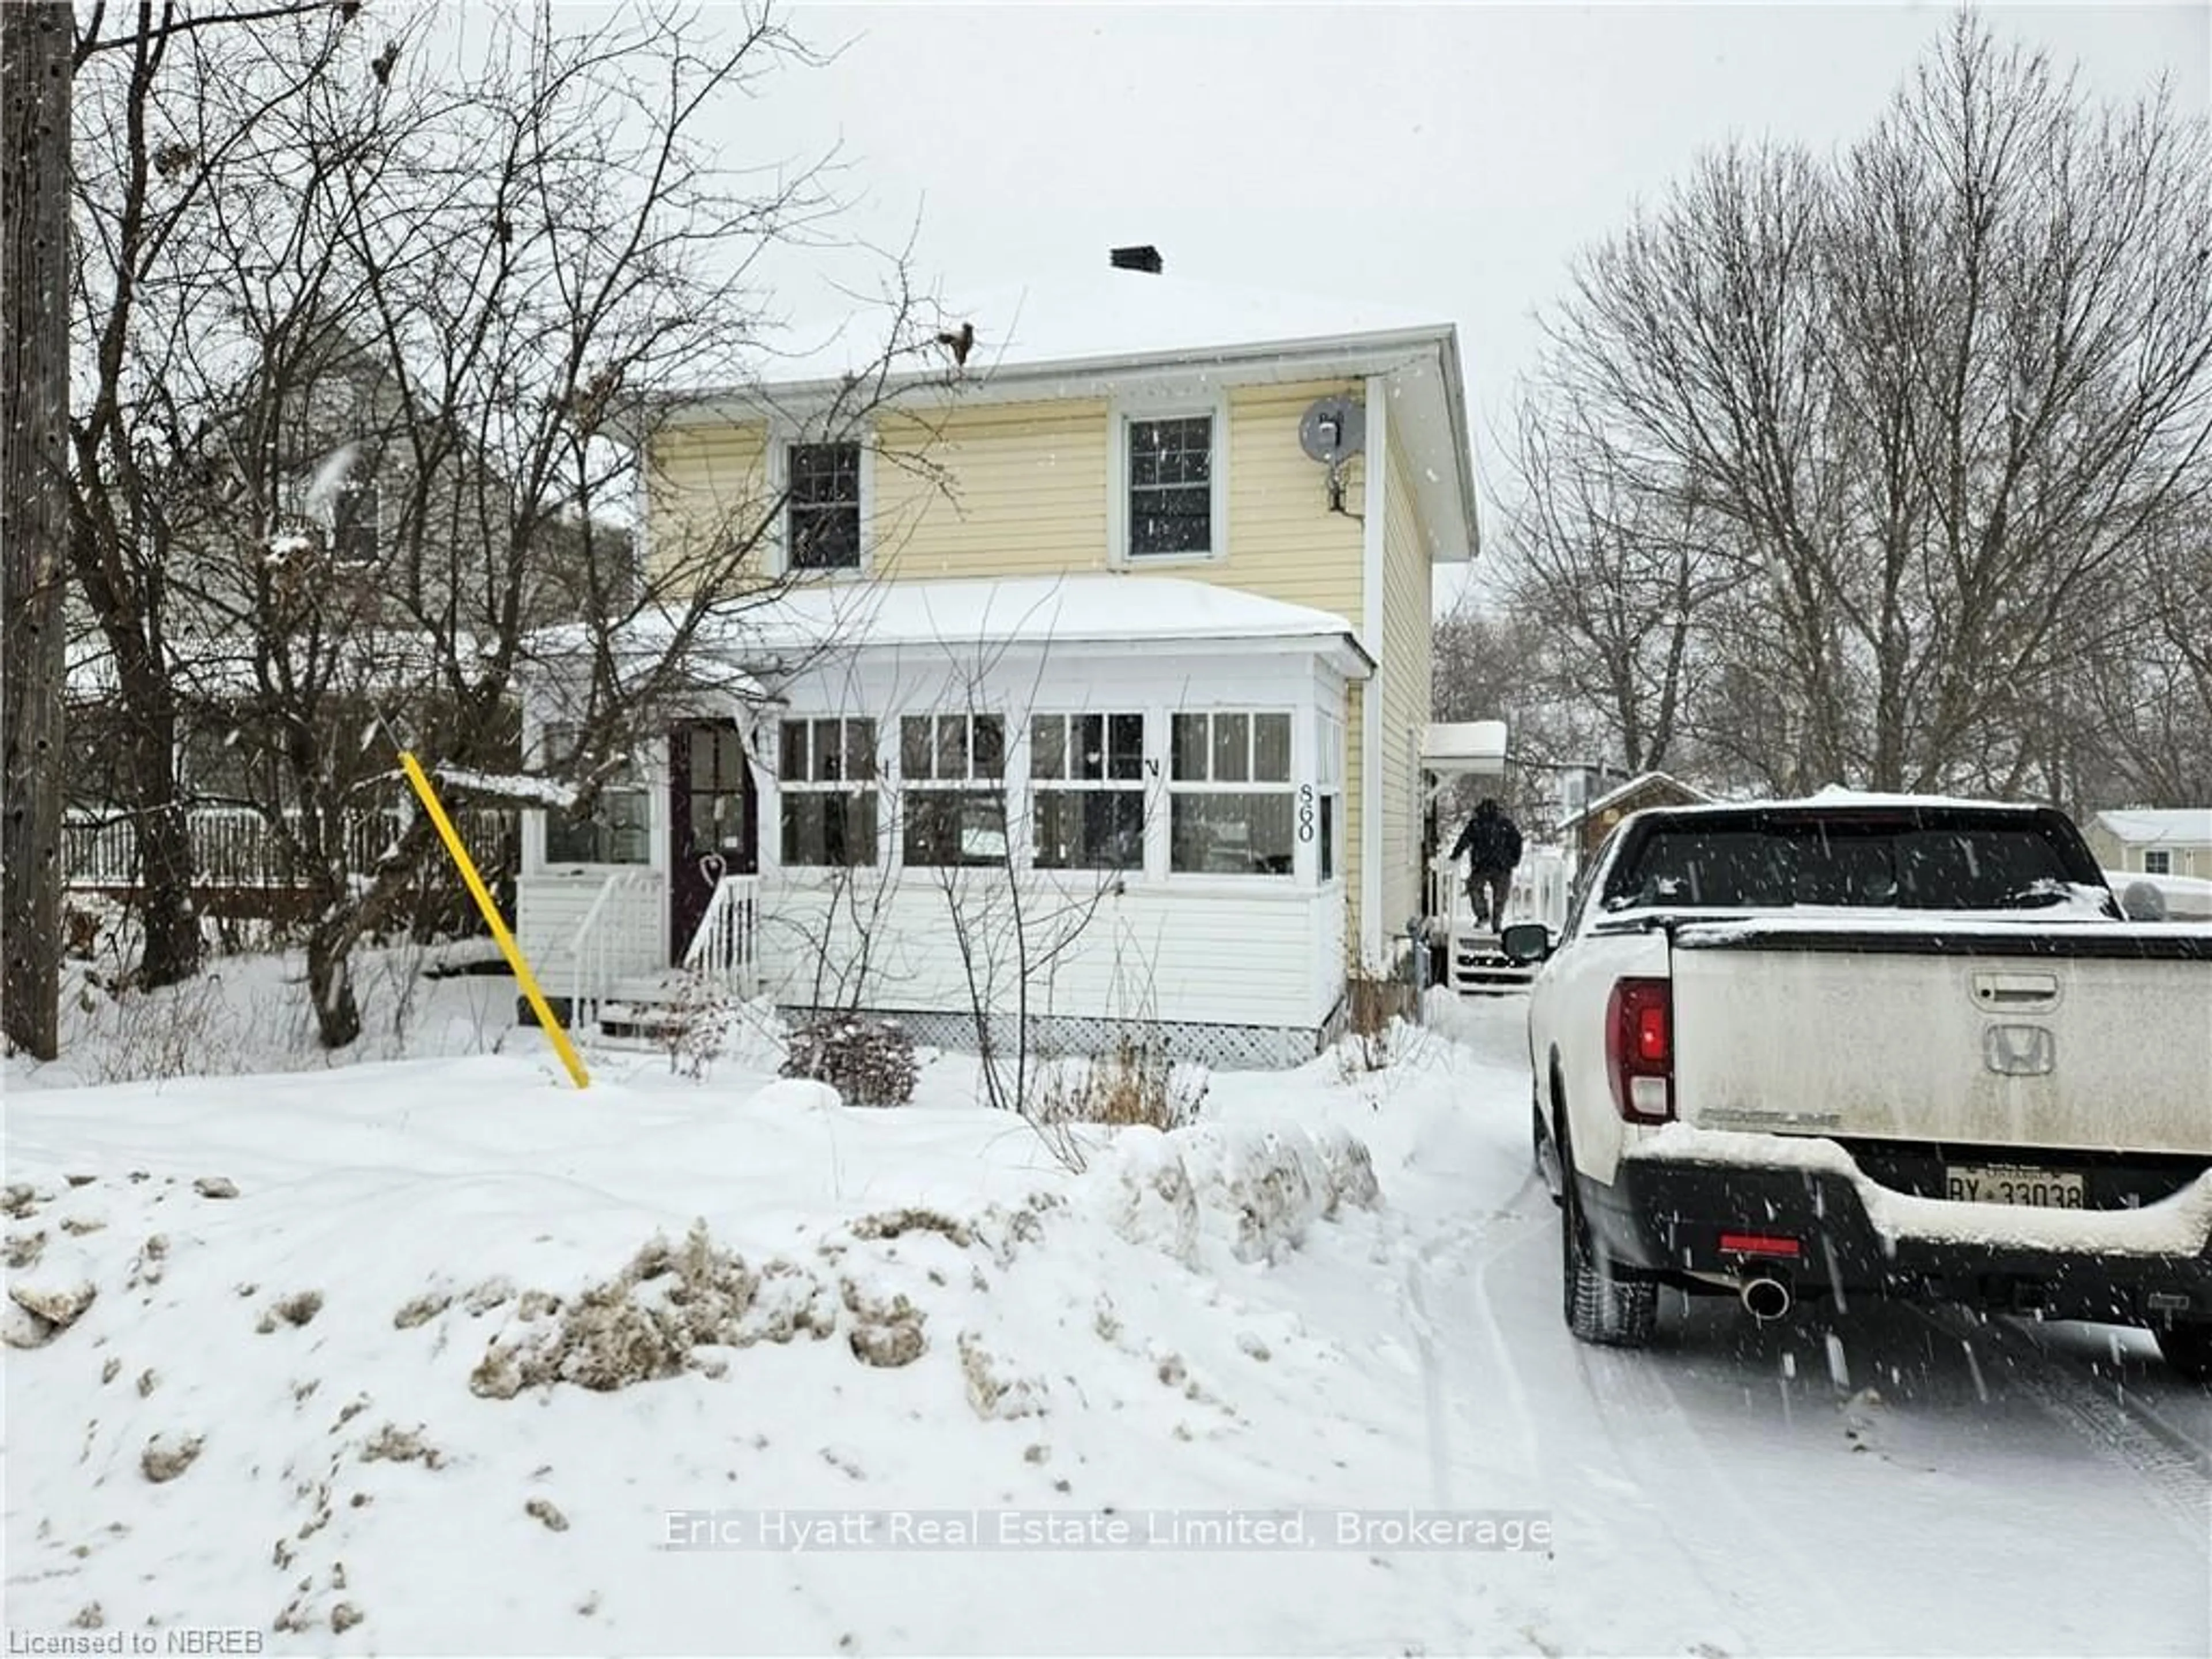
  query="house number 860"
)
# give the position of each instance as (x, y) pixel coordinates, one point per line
(1305, 811)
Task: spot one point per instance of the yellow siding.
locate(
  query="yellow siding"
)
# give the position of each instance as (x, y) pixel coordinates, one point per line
(708, 496)
(1002, 490)
(1406, 641)
(1283, 540)
(1355, 771)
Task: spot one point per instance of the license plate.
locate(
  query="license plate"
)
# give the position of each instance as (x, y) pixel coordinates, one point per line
(2040, 1189)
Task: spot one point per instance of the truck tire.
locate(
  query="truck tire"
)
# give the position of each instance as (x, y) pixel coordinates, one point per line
(2188, 1349)
(1602, 1307)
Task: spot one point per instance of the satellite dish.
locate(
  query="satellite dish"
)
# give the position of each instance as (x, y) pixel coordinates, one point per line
(1333, 430)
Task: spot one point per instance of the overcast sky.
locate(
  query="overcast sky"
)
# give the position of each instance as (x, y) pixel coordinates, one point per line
(1449, 158)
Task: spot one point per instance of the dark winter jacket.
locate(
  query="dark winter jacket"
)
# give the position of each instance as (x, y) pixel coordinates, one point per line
(1490, 841)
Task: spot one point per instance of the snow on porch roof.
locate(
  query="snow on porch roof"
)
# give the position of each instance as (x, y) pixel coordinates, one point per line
(1091, 609)
(1466, 746)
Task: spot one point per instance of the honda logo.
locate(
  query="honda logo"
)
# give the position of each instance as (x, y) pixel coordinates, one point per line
(2019, 1050)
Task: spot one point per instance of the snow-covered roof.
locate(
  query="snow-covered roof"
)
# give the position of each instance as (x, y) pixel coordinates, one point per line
(1464, 747)
(1101, 607)
(1106, 316)
(2180, 825)
(1621, 791)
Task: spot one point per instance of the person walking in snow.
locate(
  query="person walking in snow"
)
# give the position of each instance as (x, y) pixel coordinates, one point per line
(1491, 842)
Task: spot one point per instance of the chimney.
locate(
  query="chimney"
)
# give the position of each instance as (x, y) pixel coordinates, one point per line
(1146, 259)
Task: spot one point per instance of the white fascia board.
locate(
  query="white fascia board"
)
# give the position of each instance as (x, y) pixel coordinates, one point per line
(1375, 510)
(1282, 361)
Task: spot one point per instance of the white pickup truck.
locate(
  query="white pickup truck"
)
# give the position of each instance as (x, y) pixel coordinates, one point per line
(1872, 1045)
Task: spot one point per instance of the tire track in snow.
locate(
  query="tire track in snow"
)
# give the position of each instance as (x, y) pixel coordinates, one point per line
(1662, 1441)
(2176, 1468)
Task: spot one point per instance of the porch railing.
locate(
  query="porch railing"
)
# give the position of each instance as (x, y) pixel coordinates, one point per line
(1539, 892)
(725, 949)
(595, 952)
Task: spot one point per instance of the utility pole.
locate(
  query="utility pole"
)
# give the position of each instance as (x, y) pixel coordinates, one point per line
(37, 46)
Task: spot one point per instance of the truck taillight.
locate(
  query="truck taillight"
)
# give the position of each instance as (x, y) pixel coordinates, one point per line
(1640, 1049)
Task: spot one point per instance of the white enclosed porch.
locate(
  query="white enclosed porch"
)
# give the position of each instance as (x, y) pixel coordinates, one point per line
(1097, 804)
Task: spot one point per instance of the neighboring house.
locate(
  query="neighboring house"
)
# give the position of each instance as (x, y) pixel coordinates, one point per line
(1143, 662)
(2154, 841)
(1584, 831)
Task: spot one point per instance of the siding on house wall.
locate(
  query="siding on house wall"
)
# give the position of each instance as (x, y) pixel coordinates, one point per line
(1024, 491)
(1212, 957)
(2113, 853)
(704, 484)
(1405, 689)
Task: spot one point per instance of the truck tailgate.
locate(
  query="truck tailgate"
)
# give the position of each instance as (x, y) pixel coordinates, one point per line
(2096, 1039)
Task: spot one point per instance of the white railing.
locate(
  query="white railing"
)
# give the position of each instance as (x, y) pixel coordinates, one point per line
(725, 949)
(1539, 892)
(593, 948)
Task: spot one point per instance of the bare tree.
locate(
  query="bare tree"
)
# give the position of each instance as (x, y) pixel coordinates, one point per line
(36, 42)
(452, 303)
(168, 109)
(1935, 395)
(1621, 568)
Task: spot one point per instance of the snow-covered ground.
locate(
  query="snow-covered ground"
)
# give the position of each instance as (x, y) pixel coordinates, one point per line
(422, 1355)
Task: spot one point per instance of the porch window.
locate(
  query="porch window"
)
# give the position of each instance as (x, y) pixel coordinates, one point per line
(615, 828)
(2160, 863)
(826, 792)
(954, 769)
(1329, 791)
(1229, 808)
(823, 514)
(1087, 772)
(1170, 484)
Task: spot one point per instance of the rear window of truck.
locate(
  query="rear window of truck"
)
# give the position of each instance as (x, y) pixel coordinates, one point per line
(1901, 862)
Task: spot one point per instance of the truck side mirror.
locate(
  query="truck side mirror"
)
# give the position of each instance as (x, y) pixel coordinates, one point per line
(1525, 942)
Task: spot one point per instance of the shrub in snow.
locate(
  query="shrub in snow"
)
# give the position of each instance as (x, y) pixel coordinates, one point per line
(1135, 1083)
(870, 1062)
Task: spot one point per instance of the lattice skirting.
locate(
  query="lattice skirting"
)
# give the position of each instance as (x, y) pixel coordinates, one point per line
(1224, 1047)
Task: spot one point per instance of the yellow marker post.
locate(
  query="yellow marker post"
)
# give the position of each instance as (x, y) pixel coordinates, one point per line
(508, 948)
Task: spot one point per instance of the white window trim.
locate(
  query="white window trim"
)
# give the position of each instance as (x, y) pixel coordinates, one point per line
(1327, 769)
(1299, 876)
(773, 799)
(1149, 783)
(781, 437)
(1006, 785)
(2151, 853)
(1165, 407)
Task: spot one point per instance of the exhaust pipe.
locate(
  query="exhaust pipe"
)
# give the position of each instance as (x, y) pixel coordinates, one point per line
(1765, 1298)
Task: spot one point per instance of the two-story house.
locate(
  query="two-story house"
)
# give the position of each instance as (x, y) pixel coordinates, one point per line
(1110, 709)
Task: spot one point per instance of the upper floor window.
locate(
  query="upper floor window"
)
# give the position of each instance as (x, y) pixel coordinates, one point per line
(1170, 483)
(1087, 773)
(954, 767)
(827, 791)
(822, 508)
(2159, 863)
(1229, 810)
